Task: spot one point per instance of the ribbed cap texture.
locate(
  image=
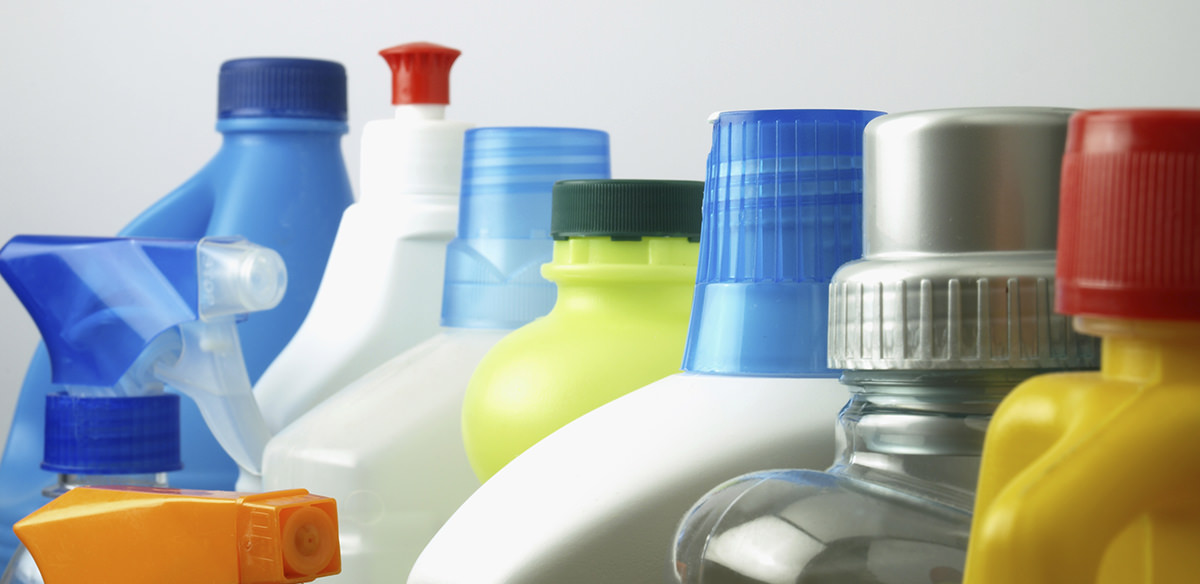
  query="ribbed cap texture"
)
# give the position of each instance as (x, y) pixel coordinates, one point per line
(111, 435)
(979, 294)
(282, 88)
(627, 209)
(493, 276)
(420, 72)
(782, 210)
(1129, 243)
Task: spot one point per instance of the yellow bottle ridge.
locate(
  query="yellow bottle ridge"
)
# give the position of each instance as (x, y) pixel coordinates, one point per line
(133, 535)
(624, 263)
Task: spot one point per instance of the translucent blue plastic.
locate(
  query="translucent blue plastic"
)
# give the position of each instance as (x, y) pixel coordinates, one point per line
(782, 210)
(95, 315)
(278, 181)
(493, 266)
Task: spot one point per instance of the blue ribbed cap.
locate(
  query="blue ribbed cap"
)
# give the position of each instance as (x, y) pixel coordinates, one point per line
(282, 88)
(111, 435)
(782, 210)
(493, 267)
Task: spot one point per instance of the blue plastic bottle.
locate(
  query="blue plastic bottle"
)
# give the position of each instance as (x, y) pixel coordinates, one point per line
(278, 180)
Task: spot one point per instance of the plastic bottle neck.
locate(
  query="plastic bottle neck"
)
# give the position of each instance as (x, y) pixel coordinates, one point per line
(1144, 351)
(66, 482)
(234, 127)
(921, 431)
(420, 112)
(597, 272)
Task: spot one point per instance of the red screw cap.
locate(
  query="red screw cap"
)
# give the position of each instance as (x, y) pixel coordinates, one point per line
(1128, 244)
(420, 72)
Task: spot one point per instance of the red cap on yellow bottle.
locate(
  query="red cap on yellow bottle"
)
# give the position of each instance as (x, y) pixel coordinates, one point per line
(131, 535)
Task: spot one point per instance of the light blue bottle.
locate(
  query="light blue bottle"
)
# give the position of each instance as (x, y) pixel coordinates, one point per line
(278, 180)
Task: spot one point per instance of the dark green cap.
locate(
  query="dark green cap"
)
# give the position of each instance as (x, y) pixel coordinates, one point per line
(627, 209)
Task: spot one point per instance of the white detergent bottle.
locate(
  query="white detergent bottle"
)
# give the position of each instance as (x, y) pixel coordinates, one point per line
(599, 500)
(389, 447)
(383, 283)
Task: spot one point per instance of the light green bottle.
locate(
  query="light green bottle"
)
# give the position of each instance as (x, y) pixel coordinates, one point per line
(625, 255)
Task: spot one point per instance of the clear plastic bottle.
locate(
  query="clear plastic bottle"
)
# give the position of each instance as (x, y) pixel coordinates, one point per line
(946, 313)
(404, 471)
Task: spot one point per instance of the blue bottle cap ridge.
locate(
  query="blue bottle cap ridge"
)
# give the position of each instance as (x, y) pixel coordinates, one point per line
(111, 435)
(282, 88)
(493, 266)
(782, 210)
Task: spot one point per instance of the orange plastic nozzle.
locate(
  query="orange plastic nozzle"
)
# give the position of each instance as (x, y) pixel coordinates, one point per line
(420, 72)
(131, 535)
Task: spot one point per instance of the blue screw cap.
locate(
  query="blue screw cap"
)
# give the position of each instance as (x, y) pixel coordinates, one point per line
(111, 435)
(282, 88)
(782, 210)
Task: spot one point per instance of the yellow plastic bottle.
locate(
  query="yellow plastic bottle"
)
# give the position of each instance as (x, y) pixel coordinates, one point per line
(146, 535)
(625, 255)
(1093, 477)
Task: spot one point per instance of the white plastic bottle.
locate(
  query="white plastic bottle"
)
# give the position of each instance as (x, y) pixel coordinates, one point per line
(599, 500)
(383, 283)
(389, 447)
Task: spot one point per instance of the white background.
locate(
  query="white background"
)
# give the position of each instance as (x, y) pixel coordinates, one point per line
(107, 105)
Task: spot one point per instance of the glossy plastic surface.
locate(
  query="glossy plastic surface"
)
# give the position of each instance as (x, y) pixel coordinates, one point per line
(251, 189)
(167, 306)
(619, 323)
(22, 569)
(420, 72)
(896, 505)
(597, 501)
(403, 471)
(895, 508)
(1040, 516)
(1131, 204)
(383, 287)
(1091, 477)
(782, 210)
(182, 536)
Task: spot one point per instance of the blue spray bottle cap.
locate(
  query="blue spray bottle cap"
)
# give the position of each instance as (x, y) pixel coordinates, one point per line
(133, 314)
(782, 210)
(493, 266)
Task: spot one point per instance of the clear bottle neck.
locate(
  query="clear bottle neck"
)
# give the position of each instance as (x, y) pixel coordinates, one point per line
(67, 482)
(921, 431)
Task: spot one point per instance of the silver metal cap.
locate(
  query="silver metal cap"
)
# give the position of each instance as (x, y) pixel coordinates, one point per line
(960, 218)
